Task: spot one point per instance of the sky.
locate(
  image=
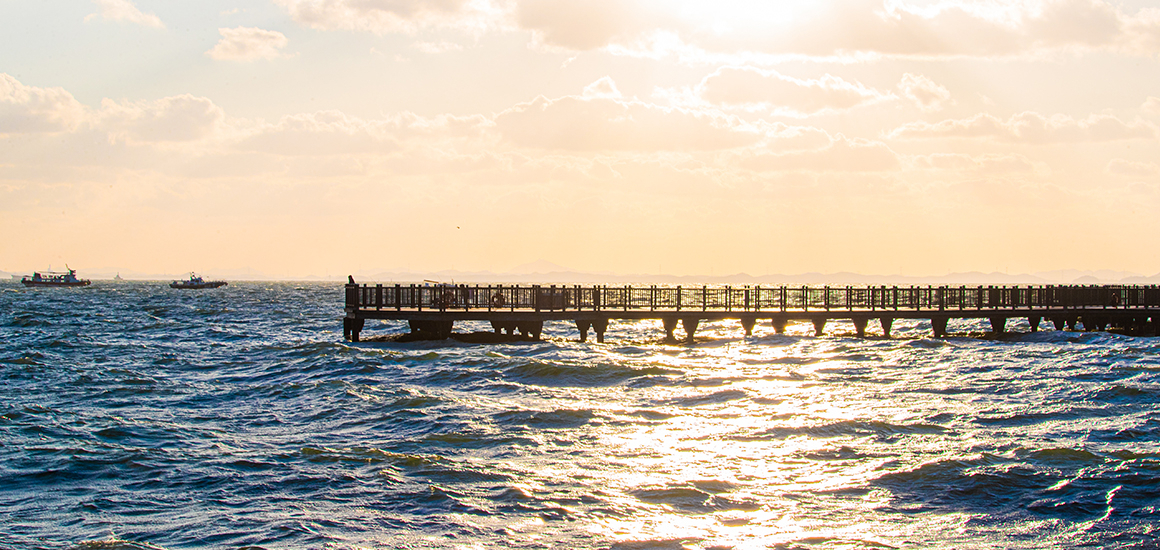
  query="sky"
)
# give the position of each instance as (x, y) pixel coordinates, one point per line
(312, 137)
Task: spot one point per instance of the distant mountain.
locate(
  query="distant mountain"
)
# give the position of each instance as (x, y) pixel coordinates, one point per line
(813, 278)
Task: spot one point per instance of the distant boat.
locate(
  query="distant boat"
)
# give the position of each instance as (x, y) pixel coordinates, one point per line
(117, 277)
(195, 282)
(55, 278)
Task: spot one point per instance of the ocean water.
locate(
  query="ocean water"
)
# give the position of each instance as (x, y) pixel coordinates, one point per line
(135, 416)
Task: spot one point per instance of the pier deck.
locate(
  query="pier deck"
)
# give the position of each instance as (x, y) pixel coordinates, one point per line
(433, 309)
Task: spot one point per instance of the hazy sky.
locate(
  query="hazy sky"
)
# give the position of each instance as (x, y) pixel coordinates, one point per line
(300, 137)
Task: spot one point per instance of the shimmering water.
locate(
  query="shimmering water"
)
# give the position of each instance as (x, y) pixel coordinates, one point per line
(136, 416)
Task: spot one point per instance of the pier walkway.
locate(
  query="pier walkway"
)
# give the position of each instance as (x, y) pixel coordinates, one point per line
(432, 310)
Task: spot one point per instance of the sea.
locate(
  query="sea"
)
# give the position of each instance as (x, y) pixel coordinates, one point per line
(135, 416)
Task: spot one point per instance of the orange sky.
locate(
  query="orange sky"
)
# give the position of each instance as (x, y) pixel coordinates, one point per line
(312, 137)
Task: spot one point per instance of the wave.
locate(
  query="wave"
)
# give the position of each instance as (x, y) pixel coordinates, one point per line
(543, 373)
(844, 428)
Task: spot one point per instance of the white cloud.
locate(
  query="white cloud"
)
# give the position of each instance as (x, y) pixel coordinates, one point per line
(840, 155)
(437, 47)
(1030, 127)
(602, 88)
(593, 24)
(1121, 167)
(124, 10)
(988, 163)
(758, 89)
(841, 28)
(27, 109)
(924, 92)
(248, 44)
(171, 119)
(321, 133)
(389, 16)
(742, 30)
(600, 121)
(1151, 106)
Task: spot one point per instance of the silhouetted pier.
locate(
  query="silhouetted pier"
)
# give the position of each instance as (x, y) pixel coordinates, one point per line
(432, 310)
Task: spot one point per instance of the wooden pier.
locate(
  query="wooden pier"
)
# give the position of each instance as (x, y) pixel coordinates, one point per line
(432, 310)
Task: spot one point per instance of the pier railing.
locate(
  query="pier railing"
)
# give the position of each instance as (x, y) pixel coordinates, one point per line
(745, 299)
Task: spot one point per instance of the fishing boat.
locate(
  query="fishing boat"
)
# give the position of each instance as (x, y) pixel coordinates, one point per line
(195, 282)
(55, 278)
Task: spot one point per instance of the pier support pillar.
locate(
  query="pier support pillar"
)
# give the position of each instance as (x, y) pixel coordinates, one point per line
(860, 327)
(583, 325)
(998, 325)
(690, 325)
(1071, 323)
(747, 324)
(1034, 322)
(531, 329)
(351, 328)
(939, 326)
(886, 323)
(600, 325)
(779, 324)
(670, 324)
(505, 326)
(1059, 322)
(819, 325)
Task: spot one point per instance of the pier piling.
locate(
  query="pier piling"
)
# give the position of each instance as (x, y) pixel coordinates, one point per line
(747, 323)
(887, 323)
(860, 326)
(670, 324)
(690, 326)
(939, 326)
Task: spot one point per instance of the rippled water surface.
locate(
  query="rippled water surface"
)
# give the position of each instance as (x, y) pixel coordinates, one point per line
(136, 416)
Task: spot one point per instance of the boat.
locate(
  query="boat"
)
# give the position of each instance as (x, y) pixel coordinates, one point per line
(55, 278)
(118, 277)
(195, 282)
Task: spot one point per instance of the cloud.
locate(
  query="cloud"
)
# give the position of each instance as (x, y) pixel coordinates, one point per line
(601, 121)
(321, 133)
(924, 92)
(1151, 106)
(753, 88)
(1030, 127)
(437, 47)
(743, 30)
(248, 44)
(593, 24)
(124, 10)
(602, 88)
(840, 155)
(391, 16)
(840, 28)
(990, 163)
(1121, 167)
(171, 119)
(27, 109)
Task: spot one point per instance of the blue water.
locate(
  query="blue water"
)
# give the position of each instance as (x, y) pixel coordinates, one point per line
(136, 416)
